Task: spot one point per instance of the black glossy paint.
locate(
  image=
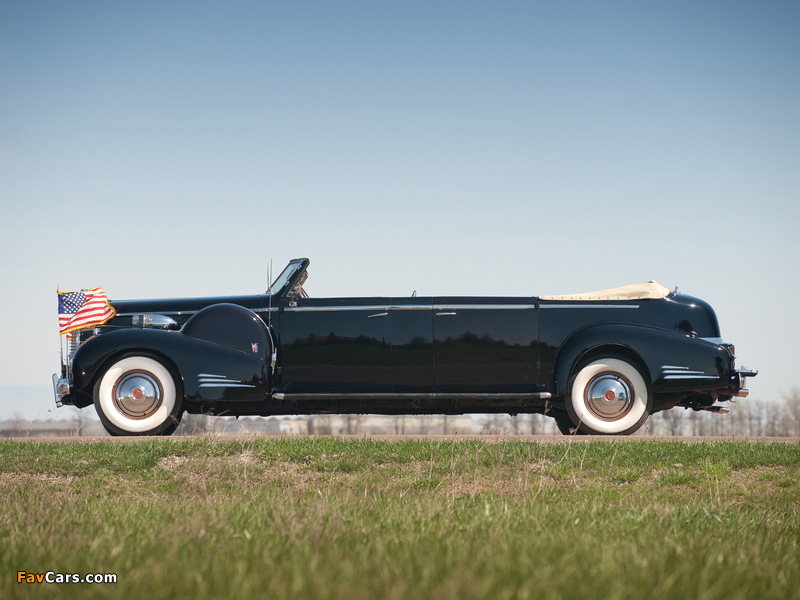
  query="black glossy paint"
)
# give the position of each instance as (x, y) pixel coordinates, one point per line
(490, 349)
(189, 356)
(335, 345)
(412, 345)
(231, 326)
(378, 349)
(679, 316)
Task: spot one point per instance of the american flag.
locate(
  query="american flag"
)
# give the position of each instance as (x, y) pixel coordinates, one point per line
(77, 310)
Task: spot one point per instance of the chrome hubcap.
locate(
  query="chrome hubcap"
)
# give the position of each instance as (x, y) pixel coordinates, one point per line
(609, 396)
(137, 394)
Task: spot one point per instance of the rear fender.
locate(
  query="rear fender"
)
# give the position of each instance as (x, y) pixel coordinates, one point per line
(664, 355)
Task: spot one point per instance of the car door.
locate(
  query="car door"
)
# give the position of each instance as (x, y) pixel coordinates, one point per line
(335, 345)
(485, 345)
(412, 345)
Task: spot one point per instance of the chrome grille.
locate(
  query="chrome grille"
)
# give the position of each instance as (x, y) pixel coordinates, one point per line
(72, 345)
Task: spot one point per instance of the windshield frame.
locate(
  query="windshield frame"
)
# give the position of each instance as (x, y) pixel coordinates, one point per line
(291, 272)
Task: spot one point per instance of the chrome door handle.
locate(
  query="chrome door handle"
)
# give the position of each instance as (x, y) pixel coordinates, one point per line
(386, 314)
(446, 314)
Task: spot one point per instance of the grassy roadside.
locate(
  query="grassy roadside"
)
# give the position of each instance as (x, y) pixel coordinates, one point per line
(333, 518)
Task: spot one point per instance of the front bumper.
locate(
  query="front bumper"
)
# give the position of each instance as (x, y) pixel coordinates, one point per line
(60, 389)
(740, 381)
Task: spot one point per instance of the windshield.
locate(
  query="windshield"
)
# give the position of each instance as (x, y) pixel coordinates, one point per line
(284, 276)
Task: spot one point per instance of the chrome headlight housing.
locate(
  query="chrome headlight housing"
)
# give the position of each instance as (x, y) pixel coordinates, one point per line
(151, 321)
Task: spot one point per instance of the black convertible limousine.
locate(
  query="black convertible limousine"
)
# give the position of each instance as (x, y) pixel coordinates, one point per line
(599, 363)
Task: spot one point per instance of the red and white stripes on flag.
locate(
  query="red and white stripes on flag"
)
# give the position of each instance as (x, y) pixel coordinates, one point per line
(87, 308)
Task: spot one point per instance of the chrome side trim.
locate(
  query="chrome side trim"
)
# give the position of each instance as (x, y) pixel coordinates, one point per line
(675, 372)
(409, 307)
(412, 396)
(375, 316)
(584, 305)
(483, 306)
(209, 380)
(413, 307)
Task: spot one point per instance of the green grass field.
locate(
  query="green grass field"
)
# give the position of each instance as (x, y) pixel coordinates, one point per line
(336, 518)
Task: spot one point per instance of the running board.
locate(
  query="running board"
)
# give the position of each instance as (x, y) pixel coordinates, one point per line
(413, 396)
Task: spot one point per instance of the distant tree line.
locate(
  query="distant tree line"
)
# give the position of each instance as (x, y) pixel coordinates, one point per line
(748, 417)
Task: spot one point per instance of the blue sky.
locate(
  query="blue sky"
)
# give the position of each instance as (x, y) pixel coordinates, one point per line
(453, 148)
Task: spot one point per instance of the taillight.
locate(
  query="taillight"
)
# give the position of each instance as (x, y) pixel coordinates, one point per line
(732, 349)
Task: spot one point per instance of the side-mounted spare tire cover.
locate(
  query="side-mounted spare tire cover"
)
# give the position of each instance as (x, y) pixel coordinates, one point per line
(232, 326)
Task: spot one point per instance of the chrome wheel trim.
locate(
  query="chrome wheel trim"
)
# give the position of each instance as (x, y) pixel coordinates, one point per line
(137, 394)
(609, 396)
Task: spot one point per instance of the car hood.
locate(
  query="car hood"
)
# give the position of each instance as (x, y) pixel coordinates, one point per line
(178, 307)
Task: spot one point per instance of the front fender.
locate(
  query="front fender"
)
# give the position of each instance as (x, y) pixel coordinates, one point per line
(236, 375)
(674, 362)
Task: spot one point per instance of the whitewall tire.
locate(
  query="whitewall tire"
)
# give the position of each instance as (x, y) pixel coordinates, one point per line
(139, 395)
(609, 397)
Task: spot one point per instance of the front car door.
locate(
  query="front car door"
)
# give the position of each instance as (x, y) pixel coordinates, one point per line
(335, 345)
(485, 345)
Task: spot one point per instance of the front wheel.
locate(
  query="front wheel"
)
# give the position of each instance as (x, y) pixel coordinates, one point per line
(139, 395)
(609, 397)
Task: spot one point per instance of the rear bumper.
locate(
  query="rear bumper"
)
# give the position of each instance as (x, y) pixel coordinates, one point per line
(739, 381)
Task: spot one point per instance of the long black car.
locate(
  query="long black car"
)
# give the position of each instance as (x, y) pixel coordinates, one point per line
(599, 363)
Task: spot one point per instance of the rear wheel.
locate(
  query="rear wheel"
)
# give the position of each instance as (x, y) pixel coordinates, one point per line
(609, 397)
(139, 395)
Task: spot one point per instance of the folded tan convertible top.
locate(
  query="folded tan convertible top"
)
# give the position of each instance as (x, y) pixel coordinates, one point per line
(650, 290)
